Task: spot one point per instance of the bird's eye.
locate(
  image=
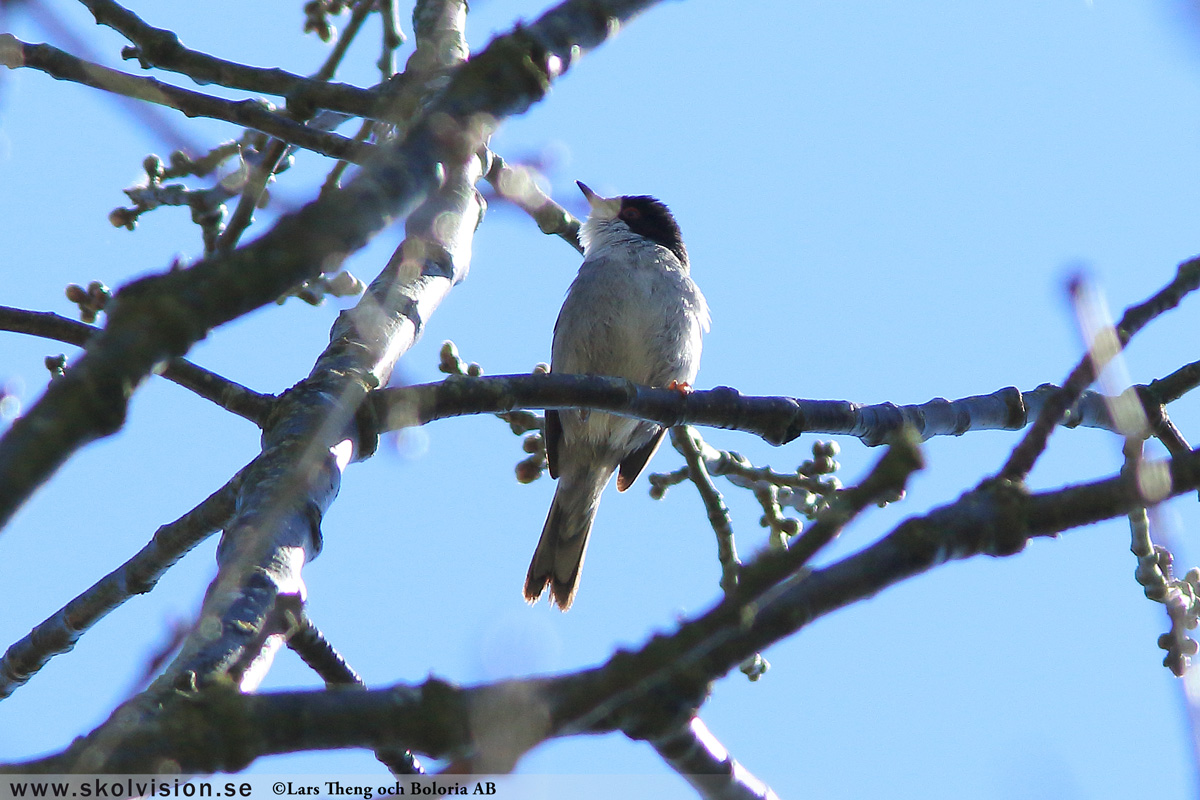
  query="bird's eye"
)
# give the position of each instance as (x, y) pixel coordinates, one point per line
(630, 213)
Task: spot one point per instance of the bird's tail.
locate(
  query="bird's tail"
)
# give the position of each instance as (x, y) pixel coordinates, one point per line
(559, 555)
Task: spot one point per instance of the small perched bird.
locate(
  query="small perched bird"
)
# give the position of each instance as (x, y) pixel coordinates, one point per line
(633, 312)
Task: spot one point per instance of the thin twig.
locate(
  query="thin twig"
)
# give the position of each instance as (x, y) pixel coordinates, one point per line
(1026, 454)
(274, 153)
(254, 114)
(156, 47)
(229, 395)
(318, 653)
(684, 440)
(393, 37)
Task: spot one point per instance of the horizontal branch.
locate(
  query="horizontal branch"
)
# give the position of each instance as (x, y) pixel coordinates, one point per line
(778, 420)
(229, 395)
(255, 114)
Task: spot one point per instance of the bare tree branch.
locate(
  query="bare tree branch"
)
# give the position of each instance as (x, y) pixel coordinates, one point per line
(59, 633)
(161, 316)
(1187, 279)
(311, 645)
(633, 692)
(228, 394)
(156, 47)
(516, 185)
(778, 420)
(254, 114)
(719, 518)
(703, 762)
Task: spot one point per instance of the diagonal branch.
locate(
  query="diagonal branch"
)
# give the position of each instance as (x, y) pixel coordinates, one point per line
(311, 645)
(693, 752)
(156, 47)
(1026, 454)
(161, 316)
(312, 434)
(255, 114)
(59, 633)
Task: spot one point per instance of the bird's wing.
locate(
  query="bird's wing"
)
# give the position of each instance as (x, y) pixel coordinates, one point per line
(553, 436)
(633, 464)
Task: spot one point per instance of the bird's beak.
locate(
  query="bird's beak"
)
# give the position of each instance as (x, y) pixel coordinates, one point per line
(602, 207)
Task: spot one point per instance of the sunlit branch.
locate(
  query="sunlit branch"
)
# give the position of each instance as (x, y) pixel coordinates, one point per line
(312, 434)
(778, 420)
(697, 755)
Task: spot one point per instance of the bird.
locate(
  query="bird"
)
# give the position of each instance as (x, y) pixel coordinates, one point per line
(633, 312)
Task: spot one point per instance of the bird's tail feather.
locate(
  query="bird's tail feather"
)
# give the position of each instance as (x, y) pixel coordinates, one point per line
(563, 545)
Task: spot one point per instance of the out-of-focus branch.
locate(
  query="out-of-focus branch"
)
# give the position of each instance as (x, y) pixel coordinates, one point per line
(59, 633)
(693, 752)
(1056, 407)
(389, 15)
(229, 395)
(161, 316)
(517, 186)
(254, 114)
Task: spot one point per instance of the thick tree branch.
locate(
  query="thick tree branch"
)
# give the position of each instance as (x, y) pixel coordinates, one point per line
(633, 692)
(311, 435)
(161, 316)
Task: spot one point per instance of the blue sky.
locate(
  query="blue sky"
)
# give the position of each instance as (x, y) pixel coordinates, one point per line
(881, 202)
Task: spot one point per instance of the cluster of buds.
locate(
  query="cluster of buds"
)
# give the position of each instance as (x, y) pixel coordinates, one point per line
(317, 14)
(91, 301)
